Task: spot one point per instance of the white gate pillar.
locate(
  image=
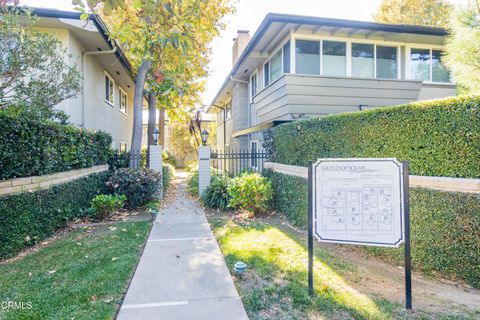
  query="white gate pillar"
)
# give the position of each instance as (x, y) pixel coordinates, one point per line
(203, 169)
(155, 163)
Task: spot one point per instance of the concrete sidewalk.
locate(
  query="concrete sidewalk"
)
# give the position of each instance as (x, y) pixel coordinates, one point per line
(182, 273)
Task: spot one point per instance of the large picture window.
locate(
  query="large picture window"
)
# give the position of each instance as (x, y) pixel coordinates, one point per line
(363, 60)
(109, 93)
(386, 62)
(334, 58)
(307, 57)
(427, 65)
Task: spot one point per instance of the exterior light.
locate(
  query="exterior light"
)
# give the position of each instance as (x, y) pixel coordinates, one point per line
(240, 268)
(155, 135)
(204, 135)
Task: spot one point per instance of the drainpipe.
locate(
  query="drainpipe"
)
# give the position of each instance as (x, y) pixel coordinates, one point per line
(84, 54)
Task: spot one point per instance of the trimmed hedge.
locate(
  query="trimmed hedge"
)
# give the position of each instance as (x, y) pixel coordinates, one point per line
(31, 147)
(29, 217)
(438, 137)
(445, 228)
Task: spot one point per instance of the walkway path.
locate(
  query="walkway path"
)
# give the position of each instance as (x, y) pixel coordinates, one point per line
(182, 274)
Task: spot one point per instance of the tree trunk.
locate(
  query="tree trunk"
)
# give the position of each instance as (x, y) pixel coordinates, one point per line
(138, 113)
(152, 117)
(161, 127)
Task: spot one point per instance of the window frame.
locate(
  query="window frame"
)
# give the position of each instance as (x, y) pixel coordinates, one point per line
(251, 95)
(228, 107)
(110, 78)
(408, 63)
(254, 160)
(120, 144)
(120, 91)
(278, 48)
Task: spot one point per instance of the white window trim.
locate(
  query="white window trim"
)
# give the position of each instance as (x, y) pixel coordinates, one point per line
(255, 73)
(270, 56)
(112, 104)
(120, 90)
(408, 73)
(265, 85)
(257, 150)
(225, 109)
(120, 146)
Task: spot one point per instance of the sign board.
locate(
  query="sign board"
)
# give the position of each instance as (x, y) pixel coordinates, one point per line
(358, 201)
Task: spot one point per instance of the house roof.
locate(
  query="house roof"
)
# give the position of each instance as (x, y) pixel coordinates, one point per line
(99, 25)
(275, 27)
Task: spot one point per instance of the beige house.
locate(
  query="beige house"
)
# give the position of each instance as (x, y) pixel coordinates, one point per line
(297, 67)
(106, 100)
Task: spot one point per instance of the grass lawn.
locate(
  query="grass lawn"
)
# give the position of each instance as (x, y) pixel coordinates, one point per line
(81, 275)
(275, 286)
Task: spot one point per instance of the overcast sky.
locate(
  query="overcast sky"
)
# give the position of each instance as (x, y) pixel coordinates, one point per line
(249, 15)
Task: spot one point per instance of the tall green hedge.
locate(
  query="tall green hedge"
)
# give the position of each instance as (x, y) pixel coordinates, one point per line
(445, 228)
(27, 218)
(438, 137)
(31, 147)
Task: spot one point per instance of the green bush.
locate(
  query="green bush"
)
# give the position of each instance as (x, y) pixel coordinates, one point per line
(438, 137)
(216, 196)
(251, 192)
(138, 185)
(31, 147)
(167, 173)
(445, 228)
(29, 217)
(168, 158)
(192, 183)
(104, 205)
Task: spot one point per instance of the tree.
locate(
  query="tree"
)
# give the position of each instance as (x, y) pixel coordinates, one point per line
(167, 37)
(463, 47)
(34, 72)
(434, 13)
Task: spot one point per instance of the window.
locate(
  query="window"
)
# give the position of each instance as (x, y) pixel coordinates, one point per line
(276, 66)
(253, 153)
(253, 85)
(427, 65)
(334, 58)
(439, 72)
(386, 62)
(123, 100)
(362, 60)
(286, 57)
(307, 57)
(109, 89)
(122, 147)
(266, 74)
(228, 110)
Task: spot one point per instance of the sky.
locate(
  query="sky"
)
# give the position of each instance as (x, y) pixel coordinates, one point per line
(248, 16)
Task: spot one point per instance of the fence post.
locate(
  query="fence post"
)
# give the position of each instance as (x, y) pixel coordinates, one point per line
(203, 169)
(155, 163)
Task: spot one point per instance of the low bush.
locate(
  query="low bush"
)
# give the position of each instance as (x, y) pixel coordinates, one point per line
(216, 196)
(29, 147)
(445, 228)
(103, 205)
(29, 217)
(138, 185)
(167, 173)
(438, 137)
(251, 192)
(168, 158)
(192, 183)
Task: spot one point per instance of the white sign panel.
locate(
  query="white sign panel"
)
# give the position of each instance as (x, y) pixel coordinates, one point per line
(358, 201)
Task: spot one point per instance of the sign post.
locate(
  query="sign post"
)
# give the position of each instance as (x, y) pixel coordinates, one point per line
(359, 201)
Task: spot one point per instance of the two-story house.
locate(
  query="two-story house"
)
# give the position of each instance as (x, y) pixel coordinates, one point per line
(106, 100)
(296, 67)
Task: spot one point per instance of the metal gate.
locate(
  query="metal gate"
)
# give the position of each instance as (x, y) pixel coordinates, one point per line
(234, 162)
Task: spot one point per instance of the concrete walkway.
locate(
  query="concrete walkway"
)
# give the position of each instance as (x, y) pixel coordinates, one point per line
(182, 273)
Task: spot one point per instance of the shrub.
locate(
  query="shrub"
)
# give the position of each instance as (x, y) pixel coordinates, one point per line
(438, 137)
(29, 217)
(445, 227)
(167, 173)
(216, 196)
(31, 147)
(104, 205)
(168, 158)
(251, 192)
(192, 183)
(138, 185)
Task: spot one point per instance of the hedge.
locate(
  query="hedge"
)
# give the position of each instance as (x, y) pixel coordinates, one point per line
(29, 217)
(445, 228)
(31, 147)
(438, 137)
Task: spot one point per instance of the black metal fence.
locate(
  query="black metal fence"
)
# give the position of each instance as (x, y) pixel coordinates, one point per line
(234, 162)
(121, 159)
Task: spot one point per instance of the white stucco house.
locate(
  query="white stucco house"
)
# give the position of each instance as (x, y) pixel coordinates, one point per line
(106, 100)
(297, 67)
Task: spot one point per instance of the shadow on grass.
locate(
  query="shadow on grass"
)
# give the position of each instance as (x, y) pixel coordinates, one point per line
(278, 276)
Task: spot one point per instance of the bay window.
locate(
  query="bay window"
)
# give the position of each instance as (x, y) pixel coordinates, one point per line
(386, 63)
(276, 66)
(307, 57)
(427, 65)
(363, 60)
(334, 58)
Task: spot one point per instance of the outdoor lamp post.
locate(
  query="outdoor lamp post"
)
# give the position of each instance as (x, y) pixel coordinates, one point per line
(204, 135)
(155, 135)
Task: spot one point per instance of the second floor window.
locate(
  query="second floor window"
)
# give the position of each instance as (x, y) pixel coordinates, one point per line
(334, 58)
(307, 56)
(228, 110)
(266, 74)
(427, 65)
(109, 93)
(253, 86)
(123, 100)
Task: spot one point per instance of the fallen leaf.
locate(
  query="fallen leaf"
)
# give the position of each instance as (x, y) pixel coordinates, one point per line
(52, 271)
(93, 298)
(79, 244)
(114, 258)
(112, 228)
(30, 274)
(124, 230)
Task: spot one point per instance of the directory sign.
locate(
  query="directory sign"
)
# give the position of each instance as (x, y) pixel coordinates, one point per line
(358, 201)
